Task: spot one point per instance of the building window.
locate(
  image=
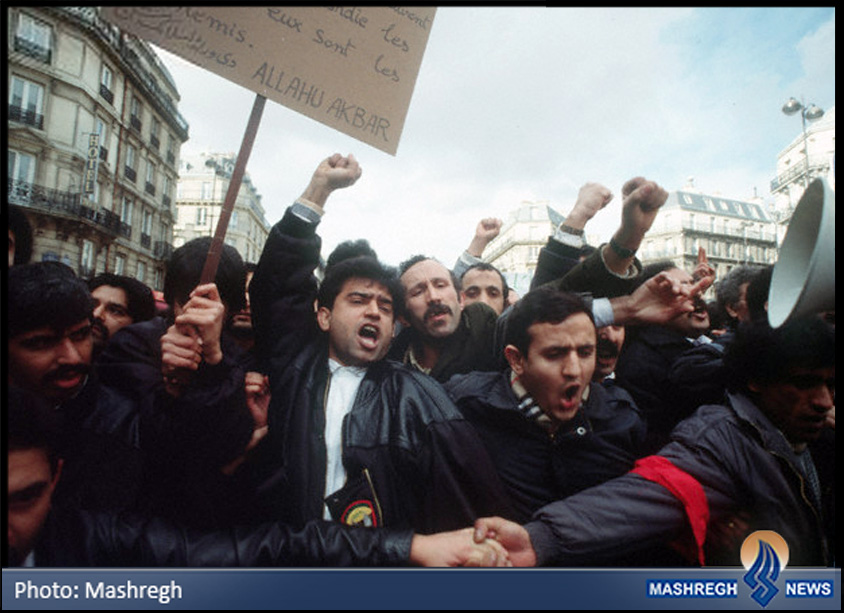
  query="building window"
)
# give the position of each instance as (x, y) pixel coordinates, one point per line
(129, 171)
(205, 191)
(106, 79)
(21, 166)
(87, 261)
(233, 221)
(141, 273)
(146, 228)
(171, 150)
(26, 102)
(135, 114)
(120, 264)
(33, 38)
(126, 212)
(21, 175)
(100, 128)
(201, 216)
(150, 182)
(154, 129)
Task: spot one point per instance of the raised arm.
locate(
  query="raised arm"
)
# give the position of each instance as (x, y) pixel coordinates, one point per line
(284, 288)
(486, 230)
(563, 250)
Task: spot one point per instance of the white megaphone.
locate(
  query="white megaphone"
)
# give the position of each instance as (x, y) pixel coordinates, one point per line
(803, 281)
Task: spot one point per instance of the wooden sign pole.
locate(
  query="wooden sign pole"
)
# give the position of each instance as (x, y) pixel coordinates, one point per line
(209, 272)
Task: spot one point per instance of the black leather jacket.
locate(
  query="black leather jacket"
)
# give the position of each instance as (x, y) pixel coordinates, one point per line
(83, 539)
(427, 466)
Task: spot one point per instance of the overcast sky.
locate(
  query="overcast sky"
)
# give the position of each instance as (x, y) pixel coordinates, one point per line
(515, 104)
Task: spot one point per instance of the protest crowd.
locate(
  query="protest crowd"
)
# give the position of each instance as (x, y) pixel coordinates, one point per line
(419, 415)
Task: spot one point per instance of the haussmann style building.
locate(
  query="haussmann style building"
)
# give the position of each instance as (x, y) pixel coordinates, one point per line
(94, 135)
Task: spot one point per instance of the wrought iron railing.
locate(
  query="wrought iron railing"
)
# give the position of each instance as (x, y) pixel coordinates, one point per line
(65, 203)
(27, 116)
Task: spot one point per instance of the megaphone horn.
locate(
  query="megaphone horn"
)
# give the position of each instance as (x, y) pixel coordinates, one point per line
(803, 281)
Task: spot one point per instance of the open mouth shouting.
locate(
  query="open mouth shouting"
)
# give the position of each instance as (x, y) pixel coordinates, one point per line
(570, 397)
(369, 336)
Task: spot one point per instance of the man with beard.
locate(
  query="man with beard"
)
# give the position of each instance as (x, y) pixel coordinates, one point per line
(352, 437)
(240, 323)
(50, 352)
(119, 301)
(550, 428)
(49, 327)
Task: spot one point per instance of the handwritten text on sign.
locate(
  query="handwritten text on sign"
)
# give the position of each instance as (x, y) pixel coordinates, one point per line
(351, 68)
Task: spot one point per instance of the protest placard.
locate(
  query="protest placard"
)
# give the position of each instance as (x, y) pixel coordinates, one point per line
(350, 68)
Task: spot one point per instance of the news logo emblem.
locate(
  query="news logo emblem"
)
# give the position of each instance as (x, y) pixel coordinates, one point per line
(764, 554)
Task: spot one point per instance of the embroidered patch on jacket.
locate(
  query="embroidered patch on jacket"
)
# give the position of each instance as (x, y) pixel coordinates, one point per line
(360, 513)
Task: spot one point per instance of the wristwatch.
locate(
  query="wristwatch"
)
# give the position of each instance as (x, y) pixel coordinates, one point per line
(622, 252)
(570, 230)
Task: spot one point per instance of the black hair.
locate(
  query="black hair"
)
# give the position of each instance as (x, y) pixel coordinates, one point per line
(728, 289)
(22, 229)
(485, 266)
(45, 294)
(718, 316)
(359, 267)
(544, 304)
(760, 353)
(140, 302)
(31, 424)
(757, 294)
(653, 269)
(184, 270)
(349, 249)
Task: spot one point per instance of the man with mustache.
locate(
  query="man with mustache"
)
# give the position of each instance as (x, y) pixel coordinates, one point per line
(442, 337)
(119, 301)
(49, 326)
(50, 355)
(352, 437)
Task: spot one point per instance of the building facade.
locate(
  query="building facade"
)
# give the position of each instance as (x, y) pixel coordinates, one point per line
(202, 188)
(795, 170)
(515, 250)
(94, 136)
(731, 232)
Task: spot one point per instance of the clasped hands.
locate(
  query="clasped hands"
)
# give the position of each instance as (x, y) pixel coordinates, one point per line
(492, 542)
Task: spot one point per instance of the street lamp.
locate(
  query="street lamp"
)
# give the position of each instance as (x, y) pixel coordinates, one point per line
(812, 113)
